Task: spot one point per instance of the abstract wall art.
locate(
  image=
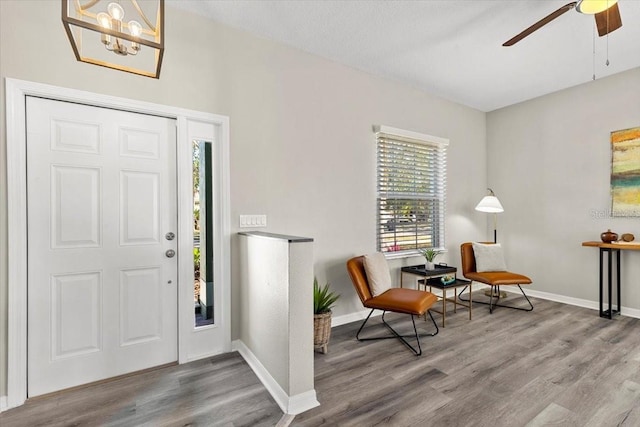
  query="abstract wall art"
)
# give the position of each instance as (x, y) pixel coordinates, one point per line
(625, 172)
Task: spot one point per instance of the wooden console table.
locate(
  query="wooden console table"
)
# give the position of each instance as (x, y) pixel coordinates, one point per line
(610, 249)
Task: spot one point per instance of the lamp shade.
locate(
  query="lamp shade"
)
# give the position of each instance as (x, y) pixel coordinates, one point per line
(490, 204)
(592, 7)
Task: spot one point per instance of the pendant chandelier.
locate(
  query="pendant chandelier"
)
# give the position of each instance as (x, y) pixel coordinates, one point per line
(117, 34)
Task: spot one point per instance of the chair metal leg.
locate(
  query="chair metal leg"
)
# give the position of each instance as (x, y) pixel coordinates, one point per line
(396, 335)
(362, 326)
(527, 298)
(491, 293)
(434, 324)
(493, 305)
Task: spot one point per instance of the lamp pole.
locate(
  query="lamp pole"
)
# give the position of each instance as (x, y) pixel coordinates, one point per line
(495, 228)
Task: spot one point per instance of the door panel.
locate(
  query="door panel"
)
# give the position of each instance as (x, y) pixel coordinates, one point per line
(75, 207)
(101, 194)
(76, 320)
(139, 208)
(137, 326)
(75, 137)
(138, 143)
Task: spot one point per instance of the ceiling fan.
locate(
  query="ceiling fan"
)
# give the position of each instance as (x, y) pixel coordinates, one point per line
(606, 13)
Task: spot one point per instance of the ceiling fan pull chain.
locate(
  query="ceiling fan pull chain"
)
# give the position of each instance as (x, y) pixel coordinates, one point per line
(593, 37)
(607, 12)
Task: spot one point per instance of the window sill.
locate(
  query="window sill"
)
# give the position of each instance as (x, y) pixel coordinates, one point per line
(407, 254)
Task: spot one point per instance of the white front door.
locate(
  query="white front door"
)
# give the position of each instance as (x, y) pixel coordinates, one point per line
(101, 198)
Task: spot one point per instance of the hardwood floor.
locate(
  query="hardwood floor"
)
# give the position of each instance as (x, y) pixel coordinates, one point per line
(220, 391)
(558, 365)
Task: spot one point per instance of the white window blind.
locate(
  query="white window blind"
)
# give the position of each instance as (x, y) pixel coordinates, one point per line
(411, 176)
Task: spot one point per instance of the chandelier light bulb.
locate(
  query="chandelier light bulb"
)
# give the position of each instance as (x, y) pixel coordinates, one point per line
(135, 28)
(104, 20)
(116, 11)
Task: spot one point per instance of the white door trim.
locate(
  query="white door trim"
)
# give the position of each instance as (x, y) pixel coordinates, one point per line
(187, 128)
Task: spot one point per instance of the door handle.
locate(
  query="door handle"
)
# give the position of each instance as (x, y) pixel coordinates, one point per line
(169, 236)
(170, 253)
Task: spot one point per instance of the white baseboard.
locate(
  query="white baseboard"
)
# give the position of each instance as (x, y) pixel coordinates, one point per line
(352, 317)
(579, 302)
(289, 404)
(302, 402)
(3, 403)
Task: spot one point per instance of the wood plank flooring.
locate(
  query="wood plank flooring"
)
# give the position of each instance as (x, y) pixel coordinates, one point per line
(558, 365)
(220, 391)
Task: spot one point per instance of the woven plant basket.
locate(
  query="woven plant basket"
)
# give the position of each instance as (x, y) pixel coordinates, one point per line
(322, 330)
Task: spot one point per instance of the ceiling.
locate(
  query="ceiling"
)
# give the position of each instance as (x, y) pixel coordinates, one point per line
(449, 48)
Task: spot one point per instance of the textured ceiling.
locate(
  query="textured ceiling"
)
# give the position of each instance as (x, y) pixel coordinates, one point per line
(450, 48)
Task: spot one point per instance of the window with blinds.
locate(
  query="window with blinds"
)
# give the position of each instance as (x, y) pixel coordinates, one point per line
(411, 177)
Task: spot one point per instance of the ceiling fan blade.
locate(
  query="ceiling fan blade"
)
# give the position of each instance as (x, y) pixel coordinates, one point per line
(541, 23)
(608, 20)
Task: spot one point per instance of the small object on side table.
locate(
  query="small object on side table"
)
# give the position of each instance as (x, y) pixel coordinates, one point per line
(609, 236)
(627, 237)
(447, 279)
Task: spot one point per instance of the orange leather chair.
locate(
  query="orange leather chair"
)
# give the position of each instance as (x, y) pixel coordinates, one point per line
(397, 300)
(495, 279)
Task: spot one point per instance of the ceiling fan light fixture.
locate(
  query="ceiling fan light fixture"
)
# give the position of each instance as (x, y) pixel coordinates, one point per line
(591, 7)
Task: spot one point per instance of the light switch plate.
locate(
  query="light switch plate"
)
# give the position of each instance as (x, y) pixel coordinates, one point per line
(253, 221)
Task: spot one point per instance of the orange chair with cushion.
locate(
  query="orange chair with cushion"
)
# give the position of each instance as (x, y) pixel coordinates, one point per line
(397, 300)
(487, 266)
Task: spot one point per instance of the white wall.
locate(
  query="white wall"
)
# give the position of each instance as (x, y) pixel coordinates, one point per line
(277, 314)
(302, 148)
(301, 131)
(549, 162)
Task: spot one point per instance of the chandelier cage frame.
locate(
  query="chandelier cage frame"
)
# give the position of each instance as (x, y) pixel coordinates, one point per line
(78, 14)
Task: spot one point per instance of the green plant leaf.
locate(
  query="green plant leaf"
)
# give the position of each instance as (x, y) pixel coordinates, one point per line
(323, 298)
(430, 253)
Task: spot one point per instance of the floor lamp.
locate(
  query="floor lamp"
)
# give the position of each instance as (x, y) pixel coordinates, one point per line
(491, 204)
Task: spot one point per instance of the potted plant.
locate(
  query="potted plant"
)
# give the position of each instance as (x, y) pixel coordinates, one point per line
(430, 255)
(323, 300)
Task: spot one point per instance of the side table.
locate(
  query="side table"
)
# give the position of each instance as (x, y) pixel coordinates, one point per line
(421, 271)
(610, 249)
(436, 283)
